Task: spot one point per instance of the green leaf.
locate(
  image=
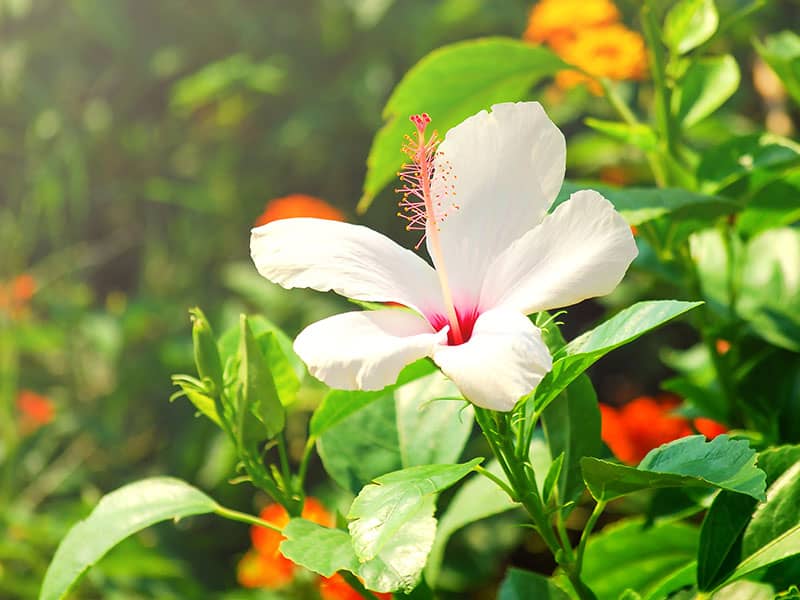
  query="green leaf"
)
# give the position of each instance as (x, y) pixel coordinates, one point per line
(774, 205)
(451, 84)
(323, 550)
(259, 397)
(119, 514)
(523, 585)
(585, 350)
(705, 86)
(206, 353)
(782, 52)
(738, 157)
(689, 23)
(572, 429)
(477, 499)
(339, 404)
(639, 135)
(384, 508)
(687, 462)
(653, 561)
(642, 205)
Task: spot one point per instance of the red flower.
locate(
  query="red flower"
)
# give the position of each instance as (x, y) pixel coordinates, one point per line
(15, 295)
(35, 410)
(646, 423)
(336, 588)
(298, 205)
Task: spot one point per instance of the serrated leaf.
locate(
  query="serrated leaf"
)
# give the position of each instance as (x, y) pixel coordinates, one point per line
(118, 515)
(623, 328)
(451, 84)
(323, 550)
(687, 462)
(705, 86)
(689, 23)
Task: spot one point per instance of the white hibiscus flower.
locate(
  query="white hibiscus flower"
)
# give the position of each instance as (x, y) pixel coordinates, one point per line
(482, 199)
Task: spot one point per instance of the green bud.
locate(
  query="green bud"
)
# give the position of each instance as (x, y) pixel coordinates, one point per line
(206, 353)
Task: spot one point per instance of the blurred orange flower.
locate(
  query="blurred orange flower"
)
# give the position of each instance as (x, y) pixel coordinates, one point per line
(15, 295)
(646, 423)
(35, 410)
(556, 22)
(612, 51)
(264, 565)
(298, 205)
(336, 588)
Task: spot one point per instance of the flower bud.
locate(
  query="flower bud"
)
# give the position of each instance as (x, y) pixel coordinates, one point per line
(206, 353)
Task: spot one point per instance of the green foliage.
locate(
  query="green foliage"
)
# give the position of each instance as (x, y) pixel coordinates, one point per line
(118, 515)
(451, 84)
(653, 561)
(782, 52)
(687, 462)
(519, 584)
(705, 86)
(690, 23)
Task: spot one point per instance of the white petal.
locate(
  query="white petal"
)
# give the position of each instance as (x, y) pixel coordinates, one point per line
(366, 350)
(351, 260)
(580, 251)
(496, 175)
(504, 360)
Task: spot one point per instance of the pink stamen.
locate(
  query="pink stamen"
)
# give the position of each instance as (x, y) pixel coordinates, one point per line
(423, 212)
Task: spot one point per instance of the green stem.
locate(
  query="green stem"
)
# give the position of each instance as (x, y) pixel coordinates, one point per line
(303, 469)
(587, 531)
(500, 483)
(235, 515)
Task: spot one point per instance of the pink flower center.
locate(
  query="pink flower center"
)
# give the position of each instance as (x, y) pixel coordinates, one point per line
(466, 323)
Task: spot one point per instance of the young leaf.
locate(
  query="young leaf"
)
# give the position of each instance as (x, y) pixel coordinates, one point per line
(707, 84)
(689, 23)
(452, 83)
(477, 499)
(259, 398)
(118, 515)
(688, 462)
(585, 350)
(523, 585)
(654, 561)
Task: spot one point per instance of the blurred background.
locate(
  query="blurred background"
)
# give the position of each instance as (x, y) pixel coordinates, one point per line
(139, 142)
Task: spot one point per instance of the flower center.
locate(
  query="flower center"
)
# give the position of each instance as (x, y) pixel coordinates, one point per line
(423, 212)
(466, 323)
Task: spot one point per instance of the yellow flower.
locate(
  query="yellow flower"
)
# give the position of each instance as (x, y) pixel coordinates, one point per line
(557, 22)
(612, 51)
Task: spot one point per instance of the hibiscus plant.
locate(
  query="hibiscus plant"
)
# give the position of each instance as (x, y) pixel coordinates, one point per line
(461, 334)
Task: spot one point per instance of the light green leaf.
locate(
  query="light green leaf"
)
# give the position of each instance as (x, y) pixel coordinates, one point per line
(585, 350)
(639, 135)
(641, 205)
(118, 515)
(782, 52)
(524, 585)
(451, 84)
(705, 86)
(689, 23)
(382, 509)
(653, 561)
(323, 550)
(687, 462)
(477, 499)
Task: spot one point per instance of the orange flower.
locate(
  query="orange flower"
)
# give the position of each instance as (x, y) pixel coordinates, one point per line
(723, 346)
(557, 22)
(265, 566)
(35, 410)
(646, 423)
(336, 588)
(15, 295)
(612, 51)
(298, 205)
(615, 175)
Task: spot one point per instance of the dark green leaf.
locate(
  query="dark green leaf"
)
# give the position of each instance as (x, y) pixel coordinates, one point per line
(689, 23)
(688, 462)
(653, 561)
(585, 350)
(524, 585)
(119, 514)
(705, 86)
(774, 205)
(451, 84)
(259, 397)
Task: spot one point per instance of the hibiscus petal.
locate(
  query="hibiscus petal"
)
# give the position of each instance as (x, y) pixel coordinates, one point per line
(351, 260)
(496, 174)
(366, 350)
(580, 251)
(504, 360)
